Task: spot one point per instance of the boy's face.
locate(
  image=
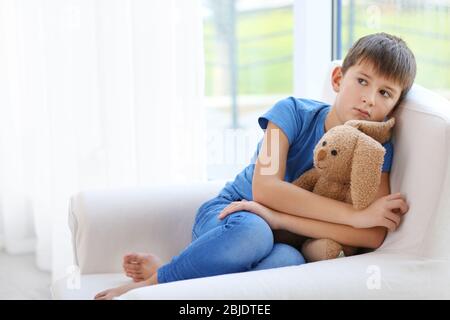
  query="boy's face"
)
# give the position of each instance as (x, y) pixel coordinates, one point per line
(362, 94)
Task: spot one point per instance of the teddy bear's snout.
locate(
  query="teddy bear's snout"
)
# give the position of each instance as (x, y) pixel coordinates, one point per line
(321, 154)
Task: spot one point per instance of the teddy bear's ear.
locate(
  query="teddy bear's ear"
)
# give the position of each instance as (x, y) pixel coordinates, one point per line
(380, 131)
(365, 176)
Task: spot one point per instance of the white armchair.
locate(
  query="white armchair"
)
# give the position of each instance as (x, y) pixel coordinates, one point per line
(413, 262)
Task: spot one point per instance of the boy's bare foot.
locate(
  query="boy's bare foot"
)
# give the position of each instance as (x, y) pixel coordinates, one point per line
(140, 266)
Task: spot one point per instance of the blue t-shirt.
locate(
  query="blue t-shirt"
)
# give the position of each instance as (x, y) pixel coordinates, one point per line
(303, 123)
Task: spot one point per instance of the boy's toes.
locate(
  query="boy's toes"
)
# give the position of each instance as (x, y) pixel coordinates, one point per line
(133, 268)
(138, 277)
(130, 258)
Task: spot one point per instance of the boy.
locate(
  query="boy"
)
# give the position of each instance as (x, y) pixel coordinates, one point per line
(233, 231)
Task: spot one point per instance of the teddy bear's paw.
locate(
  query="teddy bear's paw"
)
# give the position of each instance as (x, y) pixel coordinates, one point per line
(321, 249)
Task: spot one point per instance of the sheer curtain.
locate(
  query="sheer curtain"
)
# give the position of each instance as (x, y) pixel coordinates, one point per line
(93, 94)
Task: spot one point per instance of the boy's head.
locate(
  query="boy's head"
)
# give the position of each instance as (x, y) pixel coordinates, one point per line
(375, 76)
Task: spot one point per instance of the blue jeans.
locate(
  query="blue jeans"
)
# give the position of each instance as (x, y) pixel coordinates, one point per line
(242, 241)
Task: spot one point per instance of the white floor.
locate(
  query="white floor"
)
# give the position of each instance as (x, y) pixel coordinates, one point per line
(20, 279)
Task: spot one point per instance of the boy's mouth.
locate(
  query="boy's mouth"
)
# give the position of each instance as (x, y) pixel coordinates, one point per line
(362, 113)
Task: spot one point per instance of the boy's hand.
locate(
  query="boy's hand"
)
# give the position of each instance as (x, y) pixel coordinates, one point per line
(386, 212)
(270, 216)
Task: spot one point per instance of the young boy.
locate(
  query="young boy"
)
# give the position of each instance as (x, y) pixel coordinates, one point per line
(233, 231)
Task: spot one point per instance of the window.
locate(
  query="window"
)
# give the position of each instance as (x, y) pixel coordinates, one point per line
(249, 67)
(424, 25)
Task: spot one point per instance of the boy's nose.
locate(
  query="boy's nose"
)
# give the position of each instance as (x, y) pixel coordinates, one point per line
(368, 101)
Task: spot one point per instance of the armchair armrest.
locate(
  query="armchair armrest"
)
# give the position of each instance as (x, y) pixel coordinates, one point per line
(107, 224)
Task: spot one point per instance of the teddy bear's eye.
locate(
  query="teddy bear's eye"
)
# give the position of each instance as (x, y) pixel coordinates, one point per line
(334, 152)
(324, 144)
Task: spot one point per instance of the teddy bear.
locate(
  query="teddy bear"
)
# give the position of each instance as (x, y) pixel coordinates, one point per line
(348, 161)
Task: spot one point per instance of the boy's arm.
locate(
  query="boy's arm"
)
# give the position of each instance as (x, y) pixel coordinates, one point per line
(346, 235)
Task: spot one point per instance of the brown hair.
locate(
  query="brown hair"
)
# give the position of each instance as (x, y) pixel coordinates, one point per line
(390, 56)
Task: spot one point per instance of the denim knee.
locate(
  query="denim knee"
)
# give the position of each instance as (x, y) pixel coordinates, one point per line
(234, 245)
(282, 255)
(253, 237)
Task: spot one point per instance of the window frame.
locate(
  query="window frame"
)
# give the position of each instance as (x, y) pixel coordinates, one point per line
(312, 57)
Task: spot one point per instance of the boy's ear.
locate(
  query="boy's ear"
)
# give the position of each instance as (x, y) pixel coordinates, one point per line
(336, 77)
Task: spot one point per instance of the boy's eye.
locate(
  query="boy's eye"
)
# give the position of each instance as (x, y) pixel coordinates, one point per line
(362, 81)
(384, 93)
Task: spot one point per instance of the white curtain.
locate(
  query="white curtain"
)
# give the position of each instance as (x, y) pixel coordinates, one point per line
(93, 94)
